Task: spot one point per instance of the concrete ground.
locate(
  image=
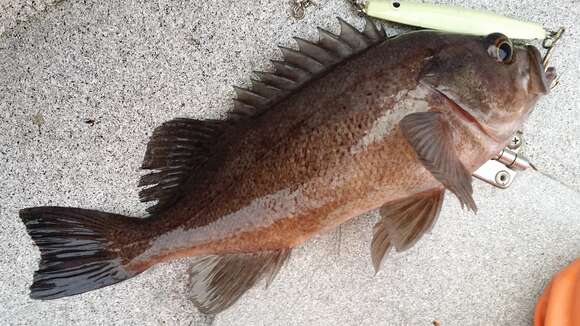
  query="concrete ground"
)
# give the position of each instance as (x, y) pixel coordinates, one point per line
(84, 83)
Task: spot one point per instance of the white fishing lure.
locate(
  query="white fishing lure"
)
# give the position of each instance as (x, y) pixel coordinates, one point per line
(451, 19)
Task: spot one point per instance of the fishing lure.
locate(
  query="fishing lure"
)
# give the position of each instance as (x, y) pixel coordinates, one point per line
(452, 19)
(458, 20)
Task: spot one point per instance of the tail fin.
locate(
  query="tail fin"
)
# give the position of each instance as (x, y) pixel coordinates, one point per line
(78, 250)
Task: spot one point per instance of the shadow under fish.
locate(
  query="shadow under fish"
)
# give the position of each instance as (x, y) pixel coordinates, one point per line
(348, 124)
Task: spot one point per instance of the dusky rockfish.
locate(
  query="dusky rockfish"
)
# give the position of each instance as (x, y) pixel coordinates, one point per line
(345, 125)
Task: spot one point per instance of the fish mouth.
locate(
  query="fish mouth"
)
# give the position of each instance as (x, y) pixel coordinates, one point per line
(541, 78)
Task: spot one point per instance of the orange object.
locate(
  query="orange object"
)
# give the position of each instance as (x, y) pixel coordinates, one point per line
(559, 305)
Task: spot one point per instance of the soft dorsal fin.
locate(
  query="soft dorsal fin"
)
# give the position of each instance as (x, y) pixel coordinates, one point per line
(217, 282)
(308, 62)
(174, 150)
(179, 146)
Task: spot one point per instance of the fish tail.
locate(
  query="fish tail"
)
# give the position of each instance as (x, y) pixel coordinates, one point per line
(78, 249)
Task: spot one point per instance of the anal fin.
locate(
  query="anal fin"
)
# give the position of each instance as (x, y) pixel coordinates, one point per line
(403, 222)
(217, 282)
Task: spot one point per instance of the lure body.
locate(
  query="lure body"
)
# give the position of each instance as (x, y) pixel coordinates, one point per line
(452, 19)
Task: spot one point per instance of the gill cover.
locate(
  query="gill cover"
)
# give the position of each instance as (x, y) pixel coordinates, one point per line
(492, 80)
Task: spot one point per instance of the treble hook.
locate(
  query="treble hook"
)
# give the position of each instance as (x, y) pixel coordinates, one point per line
(299, 7)
(359, 6)
(549, 44)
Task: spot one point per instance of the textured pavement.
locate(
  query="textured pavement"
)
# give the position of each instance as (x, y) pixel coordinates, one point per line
(84, 83)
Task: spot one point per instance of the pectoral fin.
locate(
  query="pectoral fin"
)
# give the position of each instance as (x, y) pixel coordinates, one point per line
(403, 222)
(431, 138)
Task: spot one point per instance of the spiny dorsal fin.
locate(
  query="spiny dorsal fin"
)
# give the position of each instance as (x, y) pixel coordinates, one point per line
(309, 62)
(174, 150)
(217, 282)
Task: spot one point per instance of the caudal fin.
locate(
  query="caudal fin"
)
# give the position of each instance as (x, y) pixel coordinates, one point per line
(77, 248)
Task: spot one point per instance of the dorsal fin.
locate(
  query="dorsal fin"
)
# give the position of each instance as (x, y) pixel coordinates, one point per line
(308, 62)
(179, 146)
(174, 150)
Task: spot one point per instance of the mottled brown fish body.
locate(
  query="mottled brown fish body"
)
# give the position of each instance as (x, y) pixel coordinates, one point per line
(330, 152)
(346, 125)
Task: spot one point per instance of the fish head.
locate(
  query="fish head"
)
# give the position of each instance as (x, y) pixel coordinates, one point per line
(493, 81)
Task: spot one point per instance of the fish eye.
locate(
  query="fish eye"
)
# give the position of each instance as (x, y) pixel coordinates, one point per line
(500, 48)
(505, 52)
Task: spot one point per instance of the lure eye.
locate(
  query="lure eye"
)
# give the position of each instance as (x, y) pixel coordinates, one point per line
(500, 48)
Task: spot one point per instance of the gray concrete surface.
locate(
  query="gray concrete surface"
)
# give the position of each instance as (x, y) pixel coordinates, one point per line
(14, 12)
(130, 65)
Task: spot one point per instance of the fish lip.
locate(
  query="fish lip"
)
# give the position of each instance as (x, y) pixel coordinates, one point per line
(537, 70)
(459, 109)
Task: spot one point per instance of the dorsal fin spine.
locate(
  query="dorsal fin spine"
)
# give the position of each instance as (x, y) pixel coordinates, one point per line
(263, 88)
(316, 51)
(352, 36)
(302, 60)
(290, 71)
(280, 82)
(333, 43)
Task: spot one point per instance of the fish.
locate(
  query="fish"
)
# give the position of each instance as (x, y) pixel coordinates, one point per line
(353, 122)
